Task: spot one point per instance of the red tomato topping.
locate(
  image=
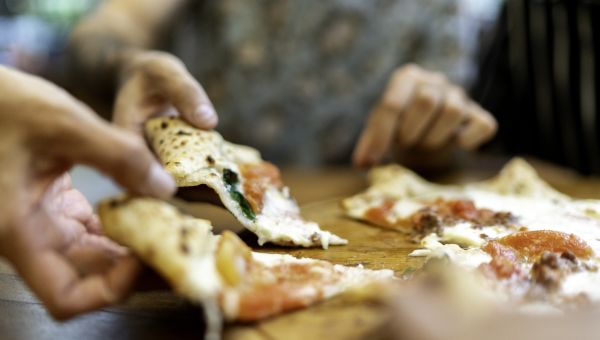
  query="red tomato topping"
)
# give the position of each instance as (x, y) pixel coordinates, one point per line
(257, 178)
(378, 215)
(504, 260)
(530, 245)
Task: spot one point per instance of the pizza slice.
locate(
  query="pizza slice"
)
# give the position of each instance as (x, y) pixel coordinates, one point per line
(532, 243)
(250, 188)
(221, 271)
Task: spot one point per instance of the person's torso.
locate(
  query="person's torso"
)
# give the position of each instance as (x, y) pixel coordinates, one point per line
(296, 79)
(552, 52)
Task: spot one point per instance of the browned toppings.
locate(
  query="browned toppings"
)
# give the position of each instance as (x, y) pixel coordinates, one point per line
(451, 211)
(426, 221)
(257, 178)
(552, 253)
(439, 213)
(551, 268)
(210, 160)
(164, 125)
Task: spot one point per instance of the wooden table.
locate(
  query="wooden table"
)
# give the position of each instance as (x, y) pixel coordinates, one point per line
(162, 315)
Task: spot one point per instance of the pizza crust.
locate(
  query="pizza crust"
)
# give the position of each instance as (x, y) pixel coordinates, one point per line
(195, 157)
(222, 271)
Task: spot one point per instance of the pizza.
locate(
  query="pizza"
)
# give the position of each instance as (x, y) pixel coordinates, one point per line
(532, 245)
(219, 271)
(249, 187)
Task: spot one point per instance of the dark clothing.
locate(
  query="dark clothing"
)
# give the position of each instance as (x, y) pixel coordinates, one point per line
(540, 78)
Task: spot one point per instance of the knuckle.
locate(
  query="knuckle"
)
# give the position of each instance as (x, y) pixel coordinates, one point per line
(59, 309)
(453, 111)
(390, 103)
(405, 71)
(438, 77)
(425, 96)
(155, 63)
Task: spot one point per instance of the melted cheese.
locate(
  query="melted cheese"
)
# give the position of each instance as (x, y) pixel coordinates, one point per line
(280, 221)
(584, 282)
(467, 258)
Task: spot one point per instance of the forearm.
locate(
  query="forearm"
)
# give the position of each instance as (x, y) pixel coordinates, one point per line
(103, 43)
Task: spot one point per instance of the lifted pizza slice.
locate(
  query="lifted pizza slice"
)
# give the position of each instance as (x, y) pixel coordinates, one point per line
(250, 188)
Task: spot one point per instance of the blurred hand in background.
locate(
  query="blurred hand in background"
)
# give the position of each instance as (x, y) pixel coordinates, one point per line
(422, 110)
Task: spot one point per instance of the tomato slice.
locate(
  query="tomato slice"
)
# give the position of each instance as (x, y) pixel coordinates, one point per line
(530, 245)
(523, 247)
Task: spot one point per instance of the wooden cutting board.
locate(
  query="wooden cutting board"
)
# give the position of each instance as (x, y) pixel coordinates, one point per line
(345, 317)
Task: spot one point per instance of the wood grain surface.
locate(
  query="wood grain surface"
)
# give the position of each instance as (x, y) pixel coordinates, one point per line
(162, 315)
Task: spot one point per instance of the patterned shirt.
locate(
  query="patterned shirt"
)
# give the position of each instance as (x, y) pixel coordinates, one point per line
(296, 79)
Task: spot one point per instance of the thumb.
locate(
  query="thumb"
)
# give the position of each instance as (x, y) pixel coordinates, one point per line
(122, 155)
(186, 95)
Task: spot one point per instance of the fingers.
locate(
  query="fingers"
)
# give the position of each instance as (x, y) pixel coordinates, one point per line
(158, 81)
(450, 118)
(381, 126)
(187, 95)
(422, 110)
(58, 285)
(423, 107)
(93, 254)
(480, 126)
(119, 154)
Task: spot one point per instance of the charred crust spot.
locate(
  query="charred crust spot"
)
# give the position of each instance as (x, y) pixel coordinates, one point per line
(184, 248)
(183, 142)
(161, 142)
(113, 203)
(164, 125)
(183, 133)
(177, 163)
(184, 232)
(210, 160)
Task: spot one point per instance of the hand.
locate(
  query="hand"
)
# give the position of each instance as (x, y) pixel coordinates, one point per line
(47, 230)
(422, 110)
(158, 83)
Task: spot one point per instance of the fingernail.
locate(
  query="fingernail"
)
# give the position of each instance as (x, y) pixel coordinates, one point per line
(160, 183)
(206, 116)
